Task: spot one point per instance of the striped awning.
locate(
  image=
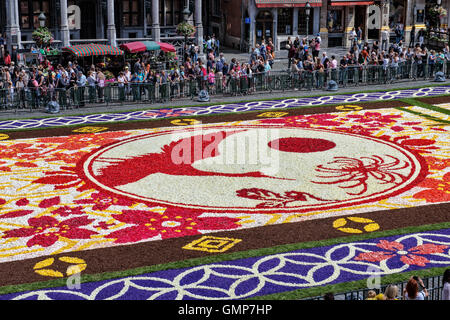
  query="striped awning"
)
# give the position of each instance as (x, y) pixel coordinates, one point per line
(286, 3)
(140, 46)
(335, 3)
(93, 49)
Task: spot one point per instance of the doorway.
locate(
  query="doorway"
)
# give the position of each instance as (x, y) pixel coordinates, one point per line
(264, 25)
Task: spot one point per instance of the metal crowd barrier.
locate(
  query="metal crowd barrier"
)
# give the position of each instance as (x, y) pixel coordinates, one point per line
(433, 284)
(272, 81)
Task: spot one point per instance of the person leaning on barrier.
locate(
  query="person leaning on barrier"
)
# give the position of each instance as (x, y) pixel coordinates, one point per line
(391, 292)
(446, 285)
(415, 289)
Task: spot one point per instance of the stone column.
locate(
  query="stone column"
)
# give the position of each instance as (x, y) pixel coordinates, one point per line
(409, 21)
(316, 19)
(323, 24)
(252, 12)
(8, 25)
(156, 32)
(349, 25)
(13, 35)
(384, 23)
(199, 26)
(274, 30)
(111, 28)
(64, 29)
(295, 22)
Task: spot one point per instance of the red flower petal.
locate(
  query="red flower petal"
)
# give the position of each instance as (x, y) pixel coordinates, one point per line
(432, 195)
(394, 246)
(76, 222)
(134, 216)
(428, 248)
(26, 164)
(78, 233)
(15, 214)
(57, 179)
(43, 222)
(22, 202)
(374, 256)
(132, 234)
(19, 233)
(414, 260)
(44, 240)
(47, 203)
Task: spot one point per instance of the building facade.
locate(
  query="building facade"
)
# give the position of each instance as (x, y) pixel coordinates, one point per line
(108, 21)
(334, 20)
(236, 23)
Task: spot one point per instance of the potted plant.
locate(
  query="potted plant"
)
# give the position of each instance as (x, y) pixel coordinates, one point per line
(42, 37)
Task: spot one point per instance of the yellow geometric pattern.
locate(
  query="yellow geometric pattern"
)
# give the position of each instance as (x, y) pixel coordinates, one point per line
(212, 244)
(369, 225)
(77, 265)
(90, 129)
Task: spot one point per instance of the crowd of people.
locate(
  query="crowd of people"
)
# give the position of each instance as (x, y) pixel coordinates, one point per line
(415, 289)
(212, 73)
(304, 55)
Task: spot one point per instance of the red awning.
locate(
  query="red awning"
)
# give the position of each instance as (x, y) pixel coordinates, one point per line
(166, 47)
(133, 47)
(337, 3)
(286, 3)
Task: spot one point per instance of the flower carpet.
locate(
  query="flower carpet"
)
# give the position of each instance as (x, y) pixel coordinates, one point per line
(274, 203)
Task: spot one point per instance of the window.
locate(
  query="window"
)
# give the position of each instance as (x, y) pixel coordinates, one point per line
(284, 21)
(216, 8)
(24, 15)
(29, 11)
(130, 13)
(335, 22)
(397, 11)
(171, 12)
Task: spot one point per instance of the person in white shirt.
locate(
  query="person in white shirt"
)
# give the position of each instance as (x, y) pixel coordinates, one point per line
(446, 285)
(412, 291)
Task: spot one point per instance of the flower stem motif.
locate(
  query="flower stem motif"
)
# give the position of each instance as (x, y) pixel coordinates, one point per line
(45, 231)
(353, 173)
(101, 201)
(373, 118)
(168, 113)
(174, 222)
(437, 190)
(275, 200)
(65, 178)
(411, 256)
(306, 121)
(76, 142)
(437, 163)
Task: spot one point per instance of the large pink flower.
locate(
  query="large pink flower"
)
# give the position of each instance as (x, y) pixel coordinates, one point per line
(170, 224)
(45, 231)
(103, 201)
(437, 190)
(306, 121)
(411, 256)
(76, 142)
(374, 118)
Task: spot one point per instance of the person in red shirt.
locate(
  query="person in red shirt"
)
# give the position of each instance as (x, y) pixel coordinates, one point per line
(7, 59)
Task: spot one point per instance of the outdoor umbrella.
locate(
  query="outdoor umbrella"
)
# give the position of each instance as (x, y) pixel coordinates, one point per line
(166, 47)
(140, 46)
